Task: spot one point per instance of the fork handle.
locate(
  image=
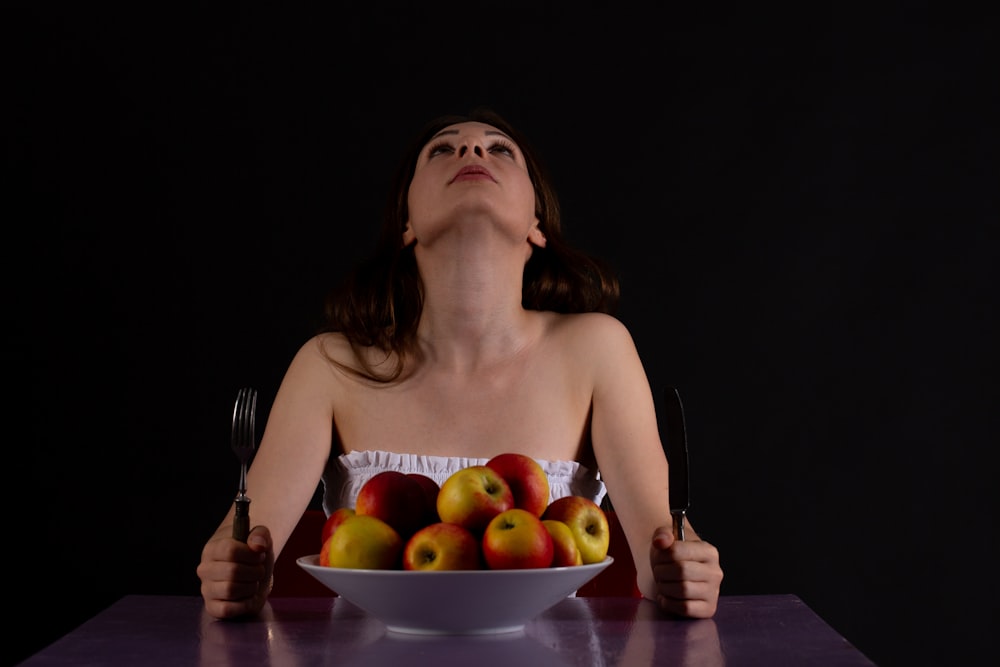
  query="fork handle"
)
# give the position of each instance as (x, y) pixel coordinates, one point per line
(241, 523)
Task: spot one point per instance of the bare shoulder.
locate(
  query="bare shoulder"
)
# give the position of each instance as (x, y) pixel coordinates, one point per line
(321, 348)
(321, 354)
(326, 348)
(591, 331)
(331, 357)
(315, 375)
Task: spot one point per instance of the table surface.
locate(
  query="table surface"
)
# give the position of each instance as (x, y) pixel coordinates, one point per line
(153, 630)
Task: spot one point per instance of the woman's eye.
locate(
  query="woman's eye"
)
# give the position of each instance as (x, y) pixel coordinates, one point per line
(439, 149)
(502, 148)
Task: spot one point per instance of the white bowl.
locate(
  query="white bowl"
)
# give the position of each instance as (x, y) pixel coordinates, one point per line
(455, 601)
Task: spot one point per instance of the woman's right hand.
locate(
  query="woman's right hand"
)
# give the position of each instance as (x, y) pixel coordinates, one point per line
(236, 577)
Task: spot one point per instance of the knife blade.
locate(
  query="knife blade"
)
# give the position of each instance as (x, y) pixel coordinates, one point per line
(676, 449)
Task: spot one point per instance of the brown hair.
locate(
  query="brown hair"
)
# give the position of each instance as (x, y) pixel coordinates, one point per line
(379, 304)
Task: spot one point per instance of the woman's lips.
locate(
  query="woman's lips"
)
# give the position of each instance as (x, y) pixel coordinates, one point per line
(473, 173)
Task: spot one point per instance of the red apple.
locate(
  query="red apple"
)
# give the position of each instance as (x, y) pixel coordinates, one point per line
(442, 546)
(431, 490)
(566, 553)
(517, 539)
(587, 521)
(526, 478)
(364, 542)
(397, 499)
(335, 519)
(472, 496)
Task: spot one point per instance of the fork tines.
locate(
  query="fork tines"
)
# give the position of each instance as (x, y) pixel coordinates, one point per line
(244, 429)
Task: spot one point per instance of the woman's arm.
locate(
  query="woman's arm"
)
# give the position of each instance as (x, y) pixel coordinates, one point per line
(281, 481)
(683, 577)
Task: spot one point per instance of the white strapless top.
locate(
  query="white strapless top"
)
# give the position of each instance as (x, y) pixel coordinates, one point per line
(346, 474)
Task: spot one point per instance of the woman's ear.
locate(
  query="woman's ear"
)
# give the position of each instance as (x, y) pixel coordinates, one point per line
(409, 237)
(536, 237)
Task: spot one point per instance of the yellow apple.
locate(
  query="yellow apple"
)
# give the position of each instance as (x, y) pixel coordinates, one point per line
(472, 496)
(517, 539)
(364, 542)
(526, 478)
(442, 546)
(566, 553)
(588, 523)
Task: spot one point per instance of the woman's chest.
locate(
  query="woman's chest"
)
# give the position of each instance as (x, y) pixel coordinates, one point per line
(545, 414)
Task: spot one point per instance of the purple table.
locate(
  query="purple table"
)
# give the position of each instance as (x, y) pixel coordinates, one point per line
(152, 630)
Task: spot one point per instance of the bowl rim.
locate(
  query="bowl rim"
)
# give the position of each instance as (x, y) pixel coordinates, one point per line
(312, 561)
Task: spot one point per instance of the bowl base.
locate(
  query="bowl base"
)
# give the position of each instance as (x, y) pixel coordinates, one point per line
(403, 630)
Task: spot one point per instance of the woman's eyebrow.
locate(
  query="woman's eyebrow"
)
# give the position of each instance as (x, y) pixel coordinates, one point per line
(487, 132)
(442, 132)
(499, 133)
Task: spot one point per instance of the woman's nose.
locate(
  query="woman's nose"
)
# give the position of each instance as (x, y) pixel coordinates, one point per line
(470, 145)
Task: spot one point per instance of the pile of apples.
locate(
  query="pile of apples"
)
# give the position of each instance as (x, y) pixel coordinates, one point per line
(493, 516)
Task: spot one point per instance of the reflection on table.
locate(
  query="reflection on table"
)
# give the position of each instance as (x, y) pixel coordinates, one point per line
(150, 630)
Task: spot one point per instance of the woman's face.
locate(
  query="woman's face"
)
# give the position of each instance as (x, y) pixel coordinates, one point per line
(471, 174)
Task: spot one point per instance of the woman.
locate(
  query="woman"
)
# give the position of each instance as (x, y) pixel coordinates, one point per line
(474, 330)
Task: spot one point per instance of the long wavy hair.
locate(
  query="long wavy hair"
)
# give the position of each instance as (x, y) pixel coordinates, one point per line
(378, 305)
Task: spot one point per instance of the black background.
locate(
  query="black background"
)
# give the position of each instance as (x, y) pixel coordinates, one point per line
(801, 205)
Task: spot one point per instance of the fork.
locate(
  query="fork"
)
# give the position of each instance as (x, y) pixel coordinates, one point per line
(243, 442)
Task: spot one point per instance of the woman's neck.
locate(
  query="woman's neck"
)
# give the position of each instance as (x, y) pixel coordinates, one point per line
(472, 312)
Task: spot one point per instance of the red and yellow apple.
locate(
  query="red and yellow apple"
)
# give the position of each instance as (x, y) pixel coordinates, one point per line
(565, 552)
(397, 499)
(516, 539)
(335, 519)
(442, 546)
(363, 542)
(526, 478)
(588, 523)
(472, 496)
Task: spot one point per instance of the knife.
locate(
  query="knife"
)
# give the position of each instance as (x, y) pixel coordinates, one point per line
(677, 458)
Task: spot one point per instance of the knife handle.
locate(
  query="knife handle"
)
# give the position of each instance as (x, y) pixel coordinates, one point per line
(241, 523)
(678, 516)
